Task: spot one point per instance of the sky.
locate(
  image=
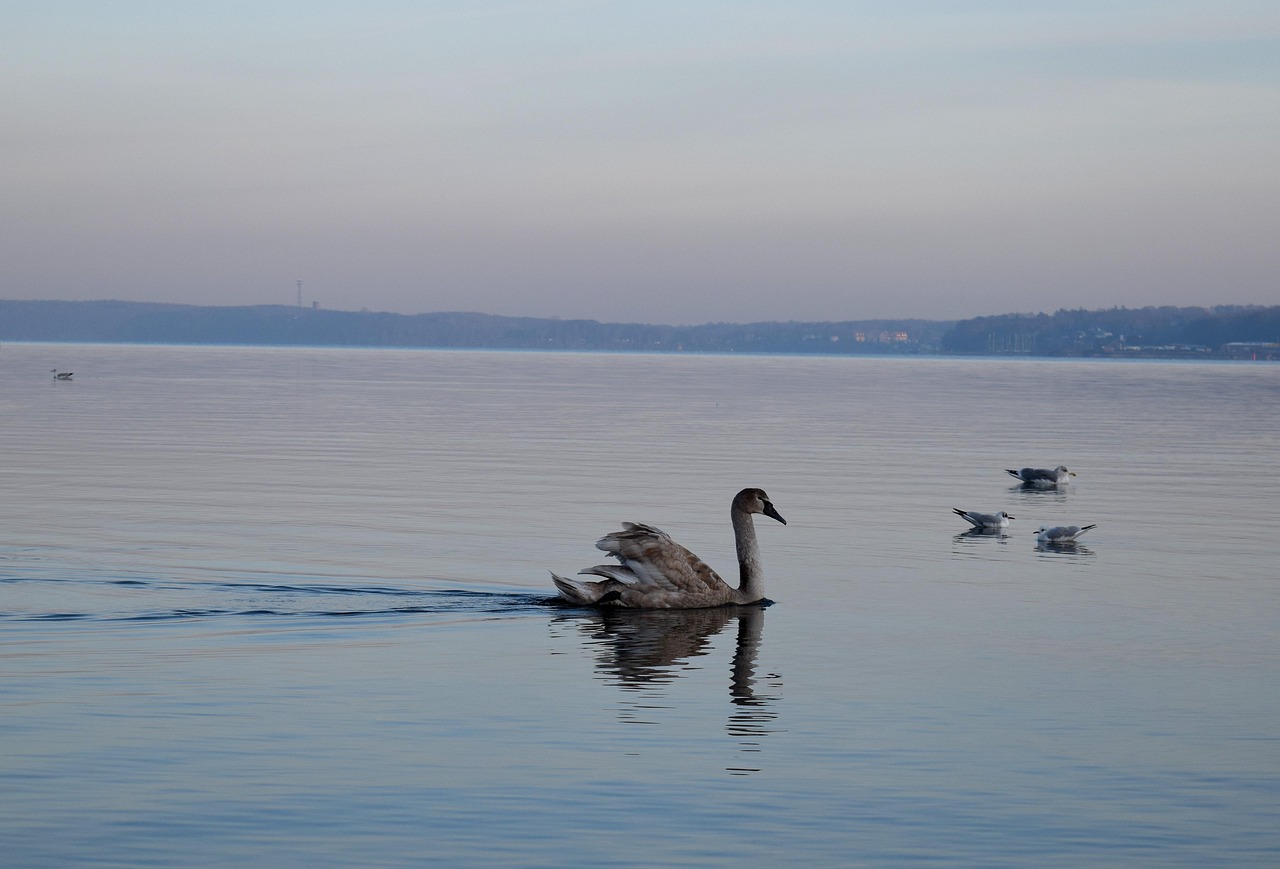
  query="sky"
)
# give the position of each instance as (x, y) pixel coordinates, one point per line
(659, 162)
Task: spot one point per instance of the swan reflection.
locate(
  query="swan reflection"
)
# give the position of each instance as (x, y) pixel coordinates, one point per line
(642, 651)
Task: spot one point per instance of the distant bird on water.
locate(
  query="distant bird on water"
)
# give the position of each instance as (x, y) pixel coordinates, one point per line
(61, 375)
(984, 520)
(658, 573)
(1060, 534)
(1042, 477)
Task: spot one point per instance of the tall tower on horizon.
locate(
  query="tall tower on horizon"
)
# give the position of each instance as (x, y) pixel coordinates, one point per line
(299, 283)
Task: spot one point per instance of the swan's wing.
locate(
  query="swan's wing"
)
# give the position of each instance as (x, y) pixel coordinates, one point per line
(619, 572)
(657, 561)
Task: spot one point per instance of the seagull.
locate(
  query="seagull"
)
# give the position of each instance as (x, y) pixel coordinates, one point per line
(61, 375)
(984, 520)
(1060, 534)
(1043, 477)
(658, 573)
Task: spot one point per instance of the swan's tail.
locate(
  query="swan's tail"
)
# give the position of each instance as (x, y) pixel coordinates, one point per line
(577, 591)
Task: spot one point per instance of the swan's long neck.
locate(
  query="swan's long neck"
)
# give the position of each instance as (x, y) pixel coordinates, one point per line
(750, 575)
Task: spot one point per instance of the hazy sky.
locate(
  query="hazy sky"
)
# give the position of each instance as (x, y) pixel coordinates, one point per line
(673, 162)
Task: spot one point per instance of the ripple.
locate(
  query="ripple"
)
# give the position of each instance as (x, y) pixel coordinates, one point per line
(165, 600)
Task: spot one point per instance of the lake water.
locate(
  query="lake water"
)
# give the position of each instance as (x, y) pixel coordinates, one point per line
(285, 607)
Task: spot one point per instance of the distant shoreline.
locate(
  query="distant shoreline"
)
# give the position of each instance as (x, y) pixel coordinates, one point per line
(1221, 332)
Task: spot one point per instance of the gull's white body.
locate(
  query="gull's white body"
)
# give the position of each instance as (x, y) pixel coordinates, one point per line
(1061, 533)
(984, 520)
(1045, 478)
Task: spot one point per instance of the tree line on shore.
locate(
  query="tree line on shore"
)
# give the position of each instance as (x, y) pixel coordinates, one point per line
(1115, 331)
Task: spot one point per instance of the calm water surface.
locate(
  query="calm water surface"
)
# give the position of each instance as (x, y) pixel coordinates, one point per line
(291, 607)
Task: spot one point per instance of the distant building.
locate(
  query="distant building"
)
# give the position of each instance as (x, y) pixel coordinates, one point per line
(1267, 350)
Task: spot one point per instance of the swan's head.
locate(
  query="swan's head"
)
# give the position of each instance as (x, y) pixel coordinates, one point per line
(756, 501)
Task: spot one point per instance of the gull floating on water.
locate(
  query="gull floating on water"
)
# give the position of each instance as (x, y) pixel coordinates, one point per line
(658, 573)
(61, 375)
(984, 520)
(1043, 477)
(1061, 533)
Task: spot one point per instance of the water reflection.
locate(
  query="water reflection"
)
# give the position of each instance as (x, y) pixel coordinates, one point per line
(1000, 534)
(1039, 493)
(641, 651)
(1070, 548)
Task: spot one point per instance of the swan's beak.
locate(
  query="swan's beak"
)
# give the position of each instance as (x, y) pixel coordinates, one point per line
(772, 513)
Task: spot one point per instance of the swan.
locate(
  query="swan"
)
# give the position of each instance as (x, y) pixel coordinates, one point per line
(984, 520)
(1061, 533)
(1043, 477)
(658, 573)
